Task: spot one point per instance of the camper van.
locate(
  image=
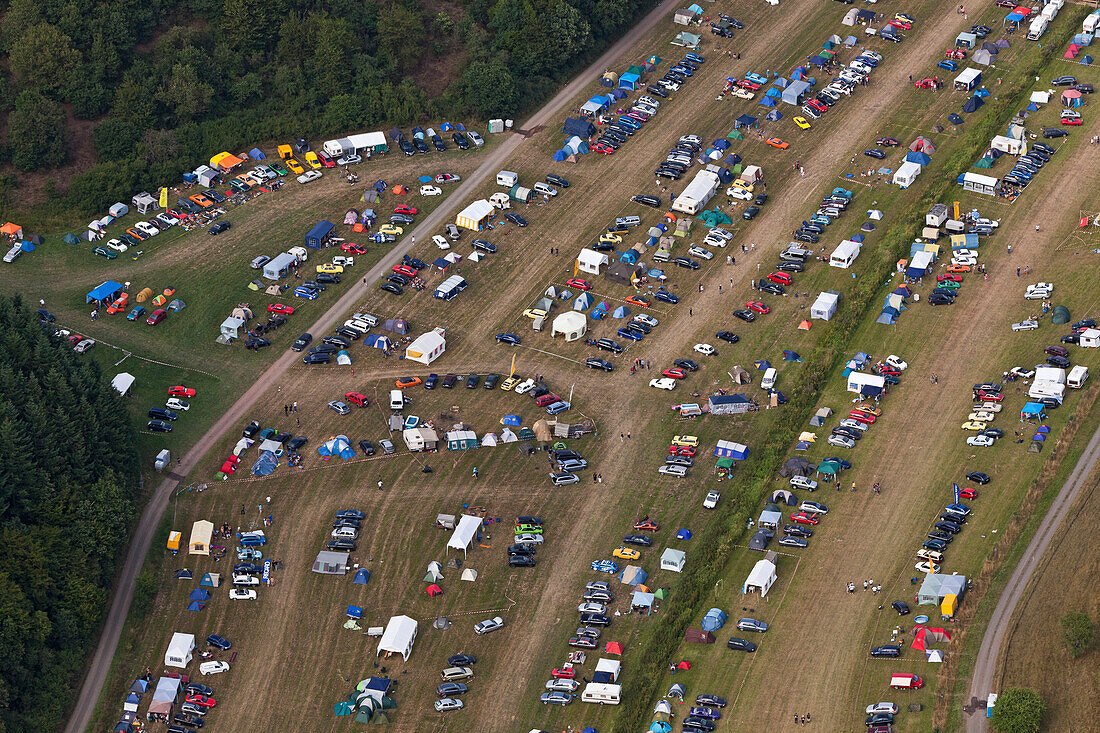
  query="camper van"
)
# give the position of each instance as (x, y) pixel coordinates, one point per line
(500, 200)
(769, 378)
(1077, 376)
(507, 178)
(906, 682)
(450, 287)
(397, 399)
(602, 694)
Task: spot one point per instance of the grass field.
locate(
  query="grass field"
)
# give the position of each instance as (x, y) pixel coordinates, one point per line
(295, 661)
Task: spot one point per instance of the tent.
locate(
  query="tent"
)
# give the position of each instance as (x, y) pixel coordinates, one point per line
(698, 636)
(202, 532)
(398, 637)
(199, 594)
(433, 590)
(166, 693)
(464, 534)
(673, 560)
(211, 580)
(469, 575)
(105, 291)
(613, 647)
(1072, 98)
(729, 449)
(744, 121)
(796, 466)
(179, 653)
(824, 308)
(331, 563)
(761, 578)
(972, 104)
(196, 606)
(337, 445)
(714, 619)
(632, 575)
(982, 57)
(435, 572)
(1060, 316)
(571, 324)
(783, 496)
(684, 534)
(362, 575)
(914, 156)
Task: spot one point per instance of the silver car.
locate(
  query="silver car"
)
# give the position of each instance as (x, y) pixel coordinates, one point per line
(447, 703)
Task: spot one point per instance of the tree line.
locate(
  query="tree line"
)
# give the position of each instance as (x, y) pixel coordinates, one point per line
(169, 83)
(68, 490)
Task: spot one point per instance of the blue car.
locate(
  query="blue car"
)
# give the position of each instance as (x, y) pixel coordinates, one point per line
(307, 293)
(633, 336)
(873, 63)
(605, 566)
(136, 313)
(695, 57)
(252, 541)
(630, 122)
(683, 71)
(948, 64)
(754, 77)
(666, 297)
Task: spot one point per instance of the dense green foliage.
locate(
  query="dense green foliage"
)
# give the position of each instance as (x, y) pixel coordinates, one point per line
(1078, 632)
(1018, 710)
(171, 83)
(67, 491)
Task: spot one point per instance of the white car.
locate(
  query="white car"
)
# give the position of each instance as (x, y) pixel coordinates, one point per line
(488, 625)
(84, 345)
(175, 403)
(447, 703)
(895, 361)
(701, 253)
(720, 232)
(663, 383)
(669, 85)
(971, 261)
(647, 320)
(591, 608)
(242, 594)
(1048, 287)
(308, 176)
(264, 173)
(712, 240)
(801, 482)
(475, 138)
(166, 220)
(562, 685)
(876, 57)
(342, 261)
(650, 101)
(349, 159)
(116, 245)
(1028, 325)
(528, 539)
(813, 507)
(431, 191)
(440, 241)
(243, 579)
(841, 442)
(981, 416)
(854, 424)
(705, 349)
(1021, 373)
(146, 228)
(980, 440)
(993, 407)
(739, 194)
(213, 667)
(712, 500)
(965, 253)
(691, 139)
(882, 707)
(677, 471)
(525, 386)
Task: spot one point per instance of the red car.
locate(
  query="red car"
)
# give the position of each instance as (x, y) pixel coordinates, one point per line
(601, 148)
(404, 270)
(203, 700)
(280, 308)
(180, 391)
(353, 249)
(891, 371)
(814, 104)
(638, 300)
(404, 209)
(968, 493)
(646, 525)
(75, 339)
(783, 278)
(681, 450)
(578, 283)
(949, 277)
(990, 396)
(863, 417)
(674, 373)
(889, 142)
(926, 84)
(804, 518)
(157, 316)
(957, 53)
(564, 673)
(325, 160)
(755, 305)
(750, 85)
(176, 214)
(1071, 120)
(901, 24)
(356, 398)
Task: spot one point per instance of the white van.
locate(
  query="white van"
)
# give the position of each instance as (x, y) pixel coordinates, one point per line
(366, 318)
(300, 252)
(602, 693)
(545, 188)
(397, 400)
(769, 379)
(507, 178)
(1077, 376)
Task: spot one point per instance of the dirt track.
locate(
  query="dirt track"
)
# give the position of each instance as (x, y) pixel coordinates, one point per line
(97, 670)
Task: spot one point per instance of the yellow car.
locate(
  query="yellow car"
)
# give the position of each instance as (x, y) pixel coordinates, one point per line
(330, 268)
(609, 238)
(867, 407)
(688, 441)
(744, 185)
(801, 122)
(625, 553)
(973, 425)
(295, 166)
(534, 313)
(508, 383)
(390, 229)
(313, 160)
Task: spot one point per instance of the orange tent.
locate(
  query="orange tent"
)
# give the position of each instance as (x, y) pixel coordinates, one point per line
(12, 230)
(613, 647)
(804, 326)
(433, 590)
(399, 189)
(225, 161)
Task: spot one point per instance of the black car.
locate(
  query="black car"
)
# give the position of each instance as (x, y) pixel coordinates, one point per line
(939, 534)
(666, 297)
(606, 344)
(521, 549)
(491, 381)
(602, 247)
(745, 315)
(482, 246)
(415, 262)
(879, 719)
(159, 426)
(391, 288)
(711, 701)
(398, 278)
(449, 381)
(220, 642)
(667, 173)
(647, 200)
(657, 90)
(688, 364)
(508, 338)
(221, 226)
(196, 688)
(516, 219)
(472, 381)
(806, 236)
(252, 429)
(437, 141)
(1044, 148)
(323, 348)
(450, 689)
(978, 477)
(797, 530)
(255, 343)
(215, 196)
(874, 153)
(556, 180)
(349, 333)
(1052, 132)
(296, 443)
(697, 723)
(521, 561)
(901, 607)
(937, 545)
(940, 299)
(750, 213)
(886, 650)
(638, 539)
(461, 660)
(406, 147)
(595, 619)
(954, 518)
(367, 447)
(431, 381)
(602, 364)
(421, 146)
(338, 341)
(687, 263)
(786, 266)
(767, 286)
(761, 199)
(741, 644)
(609, 142)
(949, 527)
(461, 141)
(319, 358)
(314, 284)
(847, 432)
(1058, 361)
(195, 721)
(1064, 81)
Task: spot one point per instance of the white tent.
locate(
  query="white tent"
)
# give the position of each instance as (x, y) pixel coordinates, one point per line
(760, 579)
(489, 440)
(202, 532)
(858, 380)
(590, 261)
(427, 347)
(934, 655)
(849, 17)
(673, 560)
(1040, 97)
(435, 572)
(122, 382)
(874, 214)
(277, 268)
(231, 327)
(464, 533)
(179, 650)
(824, 307)
(475, 215)
(906, 174)
(571, 324)
(469, 574)
(398, 637)
(507, 436)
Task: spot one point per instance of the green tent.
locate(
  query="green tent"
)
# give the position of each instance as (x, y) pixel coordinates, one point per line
(70, 239)
(1060, 315)
(363, 716)
(826, 53)
(343, 708)
(380, 718)
(714, 218)
(735, 135)
(724, 463)
(983, 163)
(828, 45)
(635, 69)
(737, 169)
(526, 434)
(388, 703)
(660, 594)
(829, 467)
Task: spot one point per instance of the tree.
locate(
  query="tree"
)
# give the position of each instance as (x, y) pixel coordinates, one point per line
(569, 30)
(488, 89)
(1077, 632)
(36, 132)
(114, 138)
(1018, 710)
(43, 58)
(184, 94)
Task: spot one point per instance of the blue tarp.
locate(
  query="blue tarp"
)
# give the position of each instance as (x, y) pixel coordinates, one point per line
(256, 154)
(744, 121)
(265, 464)
(512, 421)
(362, 575)
(103, 291)
(354, 612)
(338, 445)
(916, 156)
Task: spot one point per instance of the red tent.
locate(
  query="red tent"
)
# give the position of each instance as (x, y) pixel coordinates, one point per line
(613, 647)
(684, 665)
(433, 590)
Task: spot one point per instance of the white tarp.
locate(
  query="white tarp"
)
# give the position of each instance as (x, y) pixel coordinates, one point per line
(398, 637)
(464, 533)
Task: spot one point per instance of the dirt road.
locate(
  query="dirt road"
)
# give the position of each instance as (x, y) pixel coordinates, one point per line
(100, 664)
(985, 666)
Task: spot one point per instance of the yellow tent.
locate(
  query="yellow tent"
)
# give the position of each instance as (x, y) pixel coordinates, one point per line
(174, 540)
(202, 532)
(949, 604)
(225, 161)
(144, 295)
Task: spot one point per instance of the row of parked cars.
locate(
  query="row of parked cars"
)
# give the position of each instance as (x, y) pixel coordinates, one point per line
(345, 530)
(459, 670)
(856, 73)
(421, 137)
(528, 537)
(161, 418)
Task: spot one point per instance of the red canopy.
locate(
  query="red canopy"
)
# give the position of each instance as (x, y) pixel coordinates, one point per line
(1021, 10)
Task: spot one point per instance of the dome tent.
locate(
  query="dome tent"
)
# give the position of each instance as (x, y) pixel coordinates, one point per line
(1060, 316)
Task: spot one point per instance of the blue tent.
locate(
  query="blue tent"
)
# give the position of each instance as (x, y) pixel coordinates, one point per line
(583, 302)
(660, 726)
(857, 237)
(208, 581)
(954, 119)
(1032, 409)
(916, 156)
(380, 185)
(774, 115)
(780, 82)
(199, 594)
(355, 611)
(617, 94)
(1043, 429)
(1033, 107)
(629, 81)
(513, 421)
(560, 155)
(26, 246)
(621, 312)
(684, 534)
(637, 576)
(818, 61)
(972, 104)
(579, 127)
(983, 93)
(789, 355)
(183, 574)
(798, 73)
(766, 102)
(103, 291)
(362, 575)
(256, 154)
(265, 464)
(887, 318)
(195, 606)
(732, 159)
(377, 341)
(773, 92)
(1086, 60)
(714, 619)
(446, 127)
(762, 364)
(337, 445)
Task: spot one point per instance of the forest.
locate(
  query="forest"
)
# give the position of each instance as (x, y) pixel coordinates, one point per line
(68, 492)
(140, 90)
